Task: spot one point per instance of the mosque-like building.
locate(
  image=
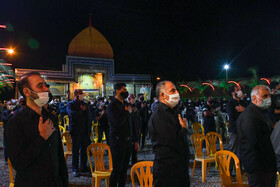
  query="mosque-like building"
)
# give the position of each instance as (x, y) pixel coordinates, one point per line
(90, 67)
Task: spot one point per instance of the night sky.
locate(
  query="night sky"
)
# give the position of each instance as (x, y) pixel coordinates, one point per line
(189, 40)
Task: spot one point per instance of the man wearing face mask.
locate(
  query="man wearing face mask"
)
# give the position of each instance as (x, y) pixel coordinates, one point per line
(120, 132)
(234, 107)
(80, 130)
(135, 128)
(254, 129)
(6, 115)
(273, 112)
(169, 138)
(33, 140)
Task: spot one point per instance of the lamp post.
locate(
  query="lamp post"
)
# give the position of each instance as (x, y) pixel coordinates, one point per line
(226, 67)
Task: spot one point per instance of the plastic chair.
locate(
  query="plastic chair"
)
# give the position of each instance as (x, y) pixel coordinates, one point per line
(67, 137)
(212, 139)
(227, 126)
(11, 173)
(99, 172)
(278, 179)
(223, 159)
(94, 130)
(59, 119)
(62, 130)
(66, 122)
(196, 127)
(143, 172)
(197, 140)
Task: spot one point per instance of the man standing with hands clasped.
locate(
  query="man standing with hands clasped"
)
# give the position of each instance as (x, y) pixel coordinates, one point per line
(169, 138)
(120, 133)
(80, 130)
(33, 141)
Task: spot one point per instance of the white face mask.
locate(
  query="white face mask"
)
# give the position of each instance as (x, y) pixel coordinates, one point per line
(43, 98)
(173, 99)
(266, 103)
(239, 94)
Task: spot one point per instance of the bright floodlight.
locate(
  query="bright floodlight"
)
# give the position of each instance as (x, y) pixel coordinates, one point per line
(226, 67)
(10, 51)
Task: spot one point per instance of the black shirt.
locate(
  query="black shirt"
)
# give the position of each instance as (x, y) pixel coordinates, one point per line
(37, 162)
(78, 118)
(275, 104)
(209, 123)
(233, 114)
(103, 121)
(118, 119)
(254, 130)
(170, 145)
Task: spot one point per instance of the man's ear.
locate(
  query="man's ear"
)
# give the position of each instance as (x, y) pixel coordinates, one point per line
(254, 98)
(26, 92)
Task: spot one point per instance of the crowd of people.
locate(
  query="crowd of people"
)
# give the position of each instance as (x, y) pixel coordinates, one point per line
(32, 140)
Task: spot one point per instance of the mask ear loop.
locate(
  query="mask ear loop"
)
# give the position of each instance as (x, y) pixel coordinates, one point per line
(32, 92)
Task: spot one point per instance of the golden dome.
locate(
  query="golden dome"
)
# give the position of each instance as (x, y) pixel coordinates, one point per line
(90, 43)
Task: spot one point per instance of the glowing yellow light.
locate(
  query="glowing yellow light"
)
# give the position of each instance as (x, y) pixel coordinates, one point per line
(158, 78)
(10, 51)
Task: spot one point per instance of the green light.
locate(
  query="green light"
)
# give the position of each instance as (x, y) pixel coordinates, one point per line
(33, 44)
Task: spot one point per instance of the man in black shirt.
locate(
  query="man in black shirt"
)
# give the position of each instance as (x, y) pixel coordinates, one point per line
(209, 123)
(135, 128)
(273, 112)
(119, 125)
(6, 115)
(169, 138)
(234, 107)
(143, 115)
(80, 130)
(254, 130)
(33, 140)
(101, 117)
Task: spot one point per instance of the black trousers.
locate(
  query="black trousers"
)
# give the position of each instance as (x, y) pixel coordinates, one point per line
(144, 132)
(120, 154)
(168, 181)
(4, 145)
(79, 147)
(262, 179)
(134, 158)
(100, 134)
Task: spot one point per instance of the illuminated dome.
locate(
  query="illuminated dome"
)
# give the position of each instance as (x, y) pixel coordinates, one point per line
(90, 43)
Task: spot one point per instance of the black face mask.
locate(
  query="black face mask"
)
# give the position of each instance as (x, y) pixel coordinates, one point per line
(142, 99)
(124, 95)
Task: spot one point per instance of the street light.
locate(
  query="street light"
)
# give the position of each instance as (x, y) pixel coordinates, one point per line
(226, 67)
(10, 51)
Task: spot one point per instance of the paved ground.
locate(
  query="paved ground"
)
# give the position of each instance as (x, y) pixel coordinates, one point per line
(212, 178)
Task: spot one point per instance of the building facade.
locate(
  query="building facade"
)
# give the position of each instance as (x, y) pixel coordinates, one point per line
(90, 66)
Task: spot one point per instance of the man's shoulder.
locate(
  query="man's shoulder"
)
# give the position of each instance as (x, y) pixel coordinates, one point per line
(19, 117)
(248, 112)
